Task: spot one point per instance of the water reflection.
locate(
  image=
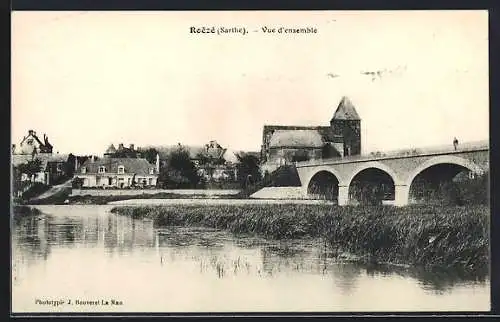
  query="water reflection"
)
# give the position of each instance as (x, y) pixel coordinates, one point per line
(438, 281)
(122, 246)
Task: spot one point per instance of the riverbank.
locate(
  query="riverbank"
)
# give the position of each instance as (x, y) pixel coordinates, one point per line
(88, 199)
(214, 201)
(428, 236)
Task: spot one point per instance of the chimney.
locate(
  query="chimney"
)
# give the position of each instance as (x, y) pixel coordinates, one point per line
(157, 163)
(120, 146)
(93, 159)
(76, 163)
(31, 132)
(132, 147)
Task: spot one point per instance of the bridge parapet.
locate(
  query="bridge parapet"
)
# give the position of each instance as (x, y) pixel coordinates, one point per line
(399, 154)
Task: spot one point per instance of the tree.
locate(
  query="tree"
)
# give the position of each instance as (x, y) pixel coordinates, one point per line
(31, 168)
(16, 179)
(180, 170)
(248, 169)
(69, 166)
(77, 183)
(203, 158)
(150, 155)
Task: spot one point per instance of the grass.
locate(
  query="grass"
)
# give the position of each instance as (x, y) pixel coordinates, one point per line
(429, 236)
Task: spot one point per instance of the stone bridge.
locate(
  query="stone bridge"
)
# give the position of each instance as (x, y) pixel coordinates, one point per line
(398, 170)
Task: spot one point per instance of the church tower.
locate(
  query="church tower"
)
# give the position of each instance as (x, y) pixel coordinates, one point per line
(347, 123)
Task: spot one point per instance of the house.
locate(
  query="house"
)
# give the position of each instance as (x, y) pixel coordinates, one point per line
(209, 159)
(31, 144)
(52, 166)
(282, 144)
(118, 173)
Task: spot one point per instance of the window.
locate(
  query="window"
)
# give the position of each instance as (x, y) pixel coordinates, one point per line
(84, 170)
(121, 169)
(59, 167)
(151, 171)
(102, 169)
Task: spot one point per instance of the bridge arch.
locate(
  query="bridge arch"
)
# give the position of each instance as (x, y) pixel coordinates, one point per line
(330, 169)
(444, 159)
(372, 182)
(430, 175)
(377, 165)
(323, 183)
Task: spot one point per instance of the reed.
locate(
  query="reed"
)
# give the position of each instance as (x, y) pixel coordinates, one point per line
(438, 236)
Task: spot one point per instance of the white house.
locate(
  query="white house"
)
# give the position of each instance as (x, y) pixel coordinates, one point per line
(118, 172)
(32, 148)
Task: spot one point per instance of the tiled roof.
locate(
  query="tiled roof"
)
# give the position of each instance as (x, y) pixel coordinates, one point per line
(326, 132)
(296, 138)
(43, 146)
(131, 165)
(346, 111)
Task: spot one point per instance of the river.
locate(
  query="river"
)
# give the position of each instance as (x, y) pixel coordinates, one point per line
(113, 263)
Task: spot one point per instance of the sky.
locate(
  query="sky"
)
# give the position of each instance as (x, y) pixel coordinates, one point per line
(89, 79)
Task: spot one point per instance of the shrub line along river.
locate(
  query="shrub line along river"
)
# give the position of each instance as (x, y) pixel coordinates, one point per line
(230, 257)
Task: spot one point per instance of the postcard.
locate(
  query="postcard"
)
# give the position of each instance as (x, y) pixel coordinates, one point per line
(250, 161)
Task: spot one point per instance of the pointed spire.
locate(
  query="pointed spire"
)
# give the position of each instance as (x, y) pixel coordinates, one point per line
(346, 111)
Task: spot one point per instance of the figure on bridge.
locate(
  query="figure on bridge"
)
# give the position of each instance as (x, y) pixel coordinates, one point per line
(455, 143)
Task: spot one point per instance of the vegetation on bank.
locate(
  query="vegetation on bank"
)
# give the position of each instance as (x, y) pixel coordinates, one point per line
(34, 190)
(65, 198)
(21, 211)
(461, 192)
(415, 235)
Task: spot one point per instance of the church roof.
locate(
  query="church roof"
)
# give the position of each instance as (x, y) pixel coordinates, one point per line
(346, 111)
(296, 138)
(111, 149)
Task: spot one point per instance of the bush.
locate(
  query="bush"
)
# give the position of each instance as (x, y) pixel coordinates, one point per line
(77, 183)
(475, 191)
(35, 190)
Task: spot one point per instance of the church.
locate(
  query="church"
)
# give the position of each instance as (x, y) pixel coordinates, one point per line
(284, 144)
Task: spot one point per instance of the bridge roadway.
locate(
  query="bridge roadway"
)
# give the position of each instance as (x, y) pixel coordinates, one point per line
(402, 166)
